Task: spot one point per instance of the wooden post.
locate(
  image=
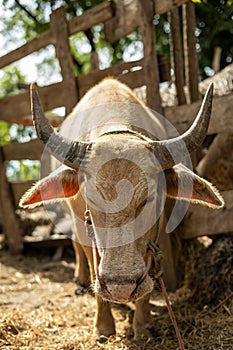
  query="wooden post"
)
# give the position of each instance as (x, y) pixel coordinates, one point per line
(176, 49)
(146, 12)
(11, 224)
(154, 101)
(190, 58)
(94, 61)
(190, 53)
(60, 31)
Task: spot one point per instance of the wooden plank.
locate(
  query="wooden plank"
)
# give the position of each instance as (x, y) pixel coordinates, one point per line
(10, 222)
(150, 63)
(126, 19)
(16, 108)
(222, 146)
(121, 70)
(203, 221)
(36, 44)
(176, 50)
(221, 118)
(27, 150)
(60, 31)
(19, 188)
(162, 6)
(43, 243)
(89, 18)
(124, 22)
(190, 52)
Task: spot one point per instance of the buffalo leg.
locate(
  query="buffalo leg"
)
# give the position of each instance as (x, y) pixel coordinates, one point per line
(142, 318)
(104, 323)
(82, 274)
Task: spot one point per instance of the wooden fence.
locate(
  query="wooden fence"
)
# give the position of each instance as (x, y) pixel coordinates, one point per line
(119, 20)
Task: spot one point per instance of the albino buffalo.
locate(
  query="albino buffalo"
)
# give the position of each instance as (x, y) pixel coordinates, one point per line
(116, 160)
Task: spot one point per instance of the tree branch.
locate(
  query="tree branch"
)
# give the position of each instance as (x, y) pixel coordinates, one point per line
(27, 12)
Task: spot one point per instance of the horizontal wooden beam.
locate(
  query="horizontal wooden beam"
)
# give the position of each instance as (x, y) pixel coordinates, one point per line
(121, 70)
(36, 44)
(27, 150)
(162, 6)
(221, 118)
(53, 96)
(16, 108)
(89, 18)
(51, 242)
(204, 221)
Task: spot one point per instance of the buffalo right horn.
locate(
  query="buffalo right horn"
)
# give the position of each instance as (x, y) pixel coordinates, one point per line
(69, 152)
(173, 151)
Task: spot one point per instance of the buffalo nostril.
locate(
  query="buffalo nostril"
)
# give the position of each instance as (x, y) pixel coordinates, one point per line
(121, 292)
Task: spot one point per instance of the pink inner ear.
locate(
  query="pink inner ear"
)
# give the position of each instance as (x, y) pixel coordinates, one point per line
(202, 193)
(52, 190)
(181, 181)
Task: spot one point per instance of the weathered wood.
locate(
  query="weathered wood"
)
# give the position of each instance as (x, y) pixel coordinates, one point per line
(94, 59)
(203, 221)
(19, 188)
(27, 150)
(150, 63)
(124, 22)
(180, 116)
(164, 68)
(43, 243)
(190, 53)
(217, 164)
(60, 31)
(162, 6)
(176, 50)
(217, 59)
(122, 70)
(221, 118)
(16, 108)
(10, 222)
(36, 44)
(126, 19)
(100, 13)
(222, 144)
(89, 18)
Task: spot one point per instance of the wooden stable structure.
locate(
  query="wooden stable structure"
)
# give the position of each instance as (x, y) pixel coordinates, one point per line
(120, 19)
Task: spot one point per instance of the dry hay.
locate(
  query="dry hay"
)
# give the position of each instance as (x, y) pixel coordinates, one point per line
(211, 278)
(40, 311)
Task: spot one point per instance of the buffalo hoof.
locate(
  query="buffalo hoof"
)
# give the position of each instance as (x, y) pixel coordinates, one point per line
(146, 332)
(102, 337)
(80, 288)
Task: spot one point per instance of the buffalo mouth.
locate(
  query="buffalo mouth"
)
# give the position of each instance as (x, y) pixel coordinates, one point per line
(123, 292)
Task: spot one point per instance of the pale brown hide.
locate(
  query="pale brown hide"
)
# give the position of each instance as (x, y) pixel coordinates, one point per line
(118, 166)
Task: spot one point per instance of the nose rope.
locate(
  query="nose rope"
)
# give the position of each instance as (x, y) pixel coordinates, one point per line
(91, 234)
(155, 252)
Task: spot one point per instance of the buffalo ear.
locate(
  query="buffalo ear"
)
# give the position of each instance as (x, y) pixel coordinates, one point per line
(60, 184)
(183, 184)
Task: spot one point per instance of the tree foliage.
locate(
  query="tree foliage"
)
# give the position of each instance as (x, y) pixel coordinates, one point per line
(22, 20)
(214, 29)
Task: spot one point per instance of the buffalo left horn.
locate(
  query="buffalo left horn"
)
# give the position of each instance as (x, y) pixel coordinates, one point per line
(173, 151)
(69, 152)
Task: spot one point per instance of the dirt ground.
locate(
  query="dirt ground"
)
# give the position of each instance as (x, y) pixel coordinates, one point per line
(39, 310)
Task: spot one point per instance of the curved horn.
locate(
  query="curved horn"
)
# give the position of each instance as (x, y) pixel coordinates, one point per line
(173, 151)
(69, 152)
